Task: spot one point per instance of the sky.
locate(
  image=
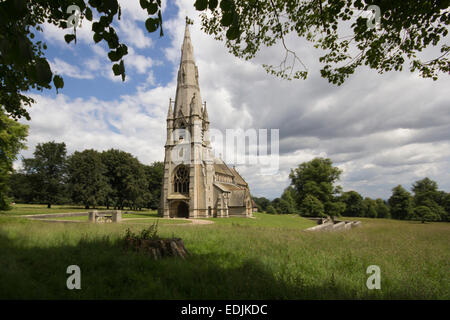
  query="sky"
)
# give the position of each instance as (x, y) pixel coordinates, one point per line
(380, 129)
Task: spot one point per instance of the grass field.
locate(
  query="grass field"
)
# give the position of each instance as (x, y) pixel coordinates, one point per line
(269, 257)
(29, 209)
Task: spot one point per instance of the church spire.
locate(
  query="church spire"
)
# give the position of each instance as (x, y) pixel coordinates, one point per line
(188, 99)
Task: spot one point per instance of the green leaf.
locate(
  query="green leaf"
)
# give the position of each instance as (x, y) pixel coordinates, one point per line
(152, 24)
(226, 5)
(114, 56)
(43, 72)
(213, 4)
(152, 8)
(144, 4)
(232, 33)
(227, 19)
(122, 49)
(97, 37)
(88, 14)
(201, 5)
(58, 82)
(69, 37)
(116, 69)
(97, 27)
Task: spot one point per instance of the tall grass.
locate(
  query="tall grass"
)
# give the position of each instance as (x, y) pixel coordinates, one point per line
(269, 258)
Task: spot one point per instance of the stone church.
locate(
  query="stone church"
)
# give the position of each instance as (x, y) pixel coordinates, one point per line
(195, 183)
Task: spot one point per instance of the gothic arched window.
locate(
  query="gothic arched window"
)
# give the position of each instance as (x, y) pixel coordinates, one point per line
(181, 180)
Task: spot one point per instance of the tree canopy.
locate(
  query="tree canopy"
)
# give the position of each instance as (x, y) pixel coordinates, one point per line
(346, 37)
(354, 203)
(12, 138)
(88, 184)
(401, 203)
(48, 171)
(23, 65)
(317, 179)
(111, 178)
(336, 27)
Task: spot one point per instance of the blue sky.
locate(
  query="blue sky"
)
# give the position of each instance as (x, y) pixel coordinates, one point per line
(382, 130)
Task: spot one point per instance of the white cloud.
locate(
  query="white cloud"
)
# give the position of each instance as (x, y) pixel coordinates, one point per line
(61, 67)
(137, 62)
(54, 34)
(91, 123)
(133, 34)
(382, 130)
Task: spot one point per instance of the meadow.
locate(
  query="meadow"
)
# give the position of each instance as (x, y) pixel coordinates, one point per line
(269, 257)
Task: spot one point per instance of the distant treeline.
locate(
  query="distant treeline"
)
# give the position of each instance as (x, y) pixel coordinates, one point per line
(113, 178)
(313, 193)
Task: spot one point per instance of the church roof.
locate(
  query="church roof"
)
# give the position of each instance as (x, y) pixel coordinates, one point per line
(222, 168)
(227, 187)
(237, 194)
(237, 177)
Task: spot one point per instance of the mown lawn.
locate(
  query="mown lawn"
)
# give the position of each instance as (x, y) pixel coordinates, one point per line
(288, 221)
(29, 209)
(269, 257)
(128, 219)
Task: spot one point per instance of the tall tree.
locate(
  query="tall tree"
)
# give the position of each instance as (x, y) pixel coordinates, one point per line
(88, 184)
(426, 194)
(312, 207)
(126, 176)
(401, 203)
(317, 178)
(425, 189)
(382, 209)
(370, 208)
(48, 168)
(154, 174)
(424, 213)
(12, 137)
(21, 186)
(354, 204)
(288, 197)
(444, 202)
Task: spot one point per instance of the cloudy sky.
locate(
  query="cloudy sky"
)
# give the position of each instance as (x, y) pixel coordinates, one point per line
(382, 130)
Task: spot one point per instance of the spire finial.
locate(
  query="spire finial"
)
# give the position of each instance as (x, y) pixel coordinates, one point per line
(189, 21)
(170, 113)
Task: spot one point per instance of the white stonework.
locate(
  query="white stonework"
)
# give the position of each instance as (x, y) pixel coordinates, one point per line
(200, 185)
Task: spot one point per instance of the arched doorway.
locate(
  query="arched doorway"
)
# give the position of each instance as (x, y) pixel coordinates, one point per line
(179, 209)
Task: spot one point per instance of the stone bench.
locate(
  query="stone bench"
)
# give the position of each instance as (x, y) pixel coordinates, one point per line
(96, 216)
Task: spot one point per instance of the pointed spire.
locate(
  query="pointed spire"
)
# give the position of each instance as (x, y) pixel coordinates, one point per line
(188, 99)
(205, 114)
(170, 113)
(187, 53)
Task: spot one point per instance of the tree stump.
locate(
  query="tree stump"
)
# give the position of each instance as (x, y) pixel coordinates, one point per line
(159, 248)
